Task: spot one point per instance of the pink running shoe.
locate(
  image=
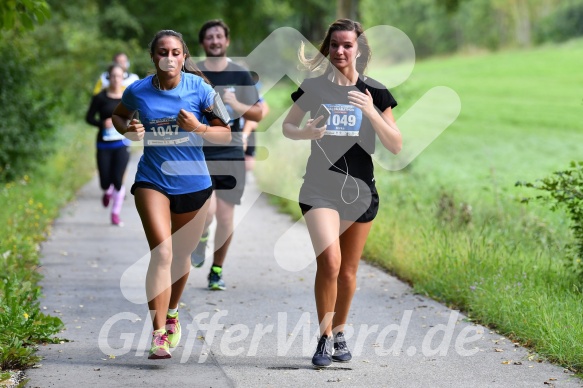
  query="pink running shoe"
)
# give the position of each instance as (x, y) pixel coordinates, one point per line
(160, 345)
(115, 220)
(173, 330)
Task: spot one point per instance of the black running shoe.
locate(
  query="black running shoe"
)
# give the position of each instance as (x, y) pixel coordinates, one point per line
(341, 352)
(216, 282)
(323, 356)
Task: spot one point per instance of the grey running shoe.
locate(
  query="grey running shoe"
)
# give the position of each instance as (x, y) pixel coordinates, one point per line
(198, 255)
(323, 356)
(216, 282)
(341, 352)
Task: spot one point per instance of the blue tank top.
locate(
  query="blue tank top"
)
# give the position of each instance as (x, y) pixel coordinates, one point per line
(173, 159)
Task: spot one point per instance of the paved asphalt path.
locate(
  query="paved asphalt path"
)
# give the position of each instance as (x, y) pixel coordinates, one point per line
(261, 331)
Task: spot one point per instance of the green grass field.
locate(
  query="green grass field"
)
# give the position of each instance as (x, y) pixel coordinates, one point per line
(451, 223)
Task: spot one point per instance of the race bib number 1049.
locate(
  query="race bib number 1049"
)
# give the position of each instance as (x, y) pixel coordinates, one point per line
(344, 120)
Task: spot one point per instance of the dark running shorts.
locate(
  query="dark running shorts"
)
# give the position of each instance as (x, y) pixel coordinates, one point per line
(228, 178)
(179, 203)
(364, 208)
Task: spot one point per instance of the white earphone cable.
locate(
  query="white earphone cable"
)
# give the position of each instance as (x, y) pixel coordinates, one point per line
(345, 177)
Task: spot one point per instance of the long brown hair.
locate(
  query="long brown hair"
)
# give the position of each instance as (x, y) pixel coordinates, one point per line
(189, 65)
(317, 61)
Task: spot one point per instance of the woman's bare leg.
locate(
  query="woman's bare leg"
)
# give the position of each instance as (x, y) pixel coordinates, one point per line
(154, 210)
(352, 243)
(324, 225)
(187, 229)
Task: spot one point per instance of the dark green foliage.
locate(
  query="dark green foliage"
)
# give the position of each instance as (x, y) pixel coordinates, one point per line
(564, 23)
(428, 24)
(23, 14)
(250, 21)
(116, 22)
(565, 192)
(26, 119)
(450, 6)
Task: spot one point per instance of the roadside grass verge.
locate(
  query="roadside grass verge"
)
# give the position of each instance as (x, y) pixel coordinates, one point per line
(451, 223)
(29, 206)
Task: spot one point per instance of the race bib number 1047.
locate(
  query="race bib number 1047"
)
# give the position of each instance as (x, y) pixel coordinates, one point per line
(164, 132)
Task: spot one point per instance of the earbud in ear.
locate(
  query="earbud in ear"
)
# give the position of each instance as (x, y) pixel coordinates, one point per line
(358, 55)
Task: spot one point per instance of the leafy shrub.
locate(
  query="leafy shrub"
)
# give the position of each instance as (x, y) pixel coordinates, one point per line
(24, 325)
(26, 124)
(565, 191)
(564, 23)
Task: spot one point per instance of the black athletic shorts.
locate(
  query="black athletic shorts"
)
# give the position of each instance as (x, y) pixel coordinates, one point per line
(362, 206)
(228, 178)
(179, 203)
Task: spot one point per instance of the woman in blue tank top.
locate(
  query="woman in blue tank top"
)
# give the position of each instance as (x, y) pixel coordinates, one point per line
(172, 185)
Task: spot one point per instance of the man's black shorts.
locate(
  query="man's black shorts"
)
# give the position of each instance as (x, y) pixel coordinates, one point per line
(228, 178)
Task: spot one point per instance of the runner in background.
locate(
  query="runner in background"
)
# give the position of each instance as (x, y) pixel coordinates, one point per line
(120, 59)
(226, 163)
(113, 152)
(128, 78)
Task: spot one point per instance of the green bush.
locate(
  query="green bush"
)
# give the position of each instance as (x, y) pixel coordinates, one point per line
(26, 122)
(24, 324)
(565, 192)
(564, 23)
